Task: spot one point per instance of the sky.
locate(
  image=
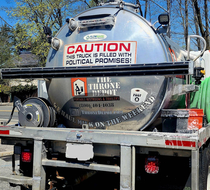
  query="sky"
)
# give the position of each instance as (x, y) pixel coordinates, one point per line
(3, 14)
(12, 22)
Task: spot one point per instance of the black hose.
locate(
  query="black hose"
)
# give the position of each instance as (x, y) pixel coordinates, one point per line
(11, 115)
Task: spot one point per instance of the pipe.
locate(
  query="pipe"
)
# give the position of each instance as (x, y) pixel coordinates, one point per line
(133, 167)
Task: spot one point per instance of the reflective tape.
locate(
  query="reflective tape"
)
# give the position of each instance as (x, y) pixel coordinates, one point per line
(180, 143)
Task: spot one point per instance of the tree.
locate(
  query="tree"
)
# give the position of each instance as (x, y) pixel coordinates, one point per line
(141, 5)
(207, 23)
(186, 17)
(6, 46)
(7, 51)
(204, 28)
(21, 38)
(169, 10)
(186, 22)
(35, 14)
(196, 29)
(182, 10)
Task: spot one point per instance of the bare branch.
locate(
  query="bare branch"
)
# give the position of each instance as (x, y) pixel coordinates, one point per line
(88, 4)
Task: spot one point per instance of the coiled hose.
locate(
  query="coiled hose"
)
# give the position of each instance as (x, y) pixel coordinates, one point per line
(201, 98)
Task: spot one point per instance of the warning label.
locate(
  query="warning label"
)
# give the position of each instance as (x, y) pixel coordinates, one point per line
(100, 53)
(79, 86)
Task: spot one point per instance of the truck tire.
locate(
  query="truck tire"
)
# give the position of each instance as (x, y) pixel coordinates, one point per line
(204, 170)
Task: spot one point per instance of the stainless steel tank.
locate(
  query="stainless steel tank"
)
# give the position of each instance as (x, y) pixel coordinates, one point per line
(111, 34)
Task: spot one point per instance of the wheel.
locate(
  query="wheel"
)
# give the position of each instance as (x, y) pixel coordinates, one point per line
(204, 170)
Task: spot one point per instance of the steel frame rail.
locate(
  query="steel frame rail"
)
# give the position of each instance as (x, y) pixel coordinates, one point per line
(166, 68)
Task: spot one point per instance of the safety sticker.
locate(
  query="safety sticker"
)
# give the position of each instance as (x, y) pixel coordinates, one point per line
(138, 95)
(100, 53)
(95, 37)
(79, 86)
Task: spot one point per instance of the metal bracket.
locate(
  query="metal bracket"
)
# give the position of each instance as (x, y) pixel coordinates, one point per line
(110, 20)
(78, 140)
(183, 89)
(85, 126)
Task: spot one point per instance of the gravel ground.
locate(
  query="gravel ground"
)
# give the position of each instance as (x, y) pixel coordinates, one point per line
(6, 162)
(5, 186)
(6, 166)
(5, 148)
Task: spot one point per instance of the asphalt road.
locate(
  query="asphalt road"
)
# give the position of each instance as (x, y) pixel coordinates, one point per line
(5, 150)
(5, 112)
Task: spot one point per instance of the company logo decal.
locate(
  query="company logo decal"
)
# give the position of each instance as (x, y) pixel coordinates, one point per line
(79, 86)
(138, 95)
(125, 117)
(95, 37)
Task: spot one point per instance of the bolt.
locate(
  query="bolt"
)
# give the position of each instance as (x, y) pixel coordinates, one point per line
(79, 136)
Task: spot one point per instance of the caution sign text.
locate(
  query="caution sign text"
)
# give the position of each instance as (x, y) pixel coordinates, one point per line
(100, 53)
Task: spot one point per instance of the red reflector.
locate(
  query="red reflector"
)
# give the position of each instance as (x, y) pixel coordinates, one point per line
(26, 156)
(152, 165)
(4, 132)
(180, 143)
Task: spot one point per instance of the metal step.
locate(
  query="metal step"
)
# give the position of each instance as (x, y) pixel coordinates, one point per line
(16, 179)
(91, 166)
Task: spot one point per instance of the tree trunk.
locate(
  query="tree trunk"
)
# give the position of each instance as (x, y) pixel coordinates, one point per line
(138, 3)
(145, 10)
(198, 15)
(207, 24)
(186, 22)
(59, 17)
(197, 30)
(169, 10)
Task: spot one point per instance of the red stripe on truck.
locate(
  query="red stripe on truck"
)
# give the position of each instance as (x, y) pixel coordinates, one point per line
(180, 143)
(4, 132)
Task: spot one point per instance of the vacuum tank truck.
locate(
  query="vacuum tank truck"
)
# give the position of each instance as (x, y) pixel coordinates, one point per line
(124, 109)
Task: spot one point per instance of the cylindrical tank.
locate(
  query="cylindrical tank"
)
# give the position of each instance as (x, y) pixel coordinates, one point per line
(112, 34)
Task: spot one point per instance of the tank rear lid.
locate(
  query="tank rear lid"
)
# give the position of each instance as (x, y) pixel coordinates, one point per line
(121, 4)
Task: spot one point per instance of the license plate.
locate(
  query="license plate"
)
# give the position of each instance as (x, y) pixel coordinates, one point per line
(79, 151)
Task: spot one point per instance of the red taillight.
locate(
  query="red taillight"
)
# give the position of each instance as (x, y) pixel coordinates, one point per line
(152, 165)
(26, 156)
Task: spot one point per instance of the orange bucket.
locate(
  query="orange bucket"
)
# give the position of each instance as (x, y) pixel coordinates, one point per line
(195, 120)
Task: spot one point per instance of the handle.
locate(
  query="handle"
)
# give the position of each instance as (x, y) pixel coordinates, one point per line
(188, 46)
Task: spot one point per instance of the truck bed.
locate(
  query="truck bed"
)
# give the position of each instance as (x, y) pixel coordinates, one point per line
(123, 143)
